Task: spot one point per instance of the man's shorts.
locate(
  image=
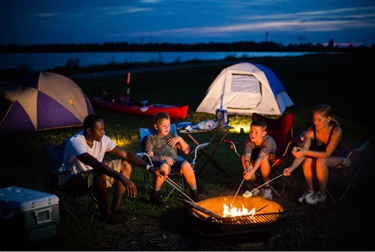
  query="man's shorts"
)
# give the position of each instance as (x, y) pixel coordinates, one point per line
(81, 183)
(115, 165)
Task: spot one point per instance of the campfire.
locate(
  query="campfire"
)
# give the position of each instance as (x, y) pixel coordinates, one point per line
(237, 218)
(232, 211)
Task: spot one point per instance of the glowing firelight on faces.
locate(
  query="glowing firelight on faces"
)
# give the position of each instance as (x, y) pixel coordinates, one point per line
(234, 211)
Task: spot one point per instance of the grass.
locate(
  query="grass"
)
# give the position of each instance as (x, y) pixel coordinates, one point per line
(339, 80)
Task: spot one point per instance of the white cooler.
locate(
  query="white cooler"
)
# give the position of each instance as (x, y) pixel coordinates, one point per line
(27, 214)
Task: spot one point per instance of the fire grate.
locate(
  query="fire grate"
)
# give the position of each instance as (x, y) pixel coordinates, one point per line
(267, 221)
(241, 228)
(249, 224)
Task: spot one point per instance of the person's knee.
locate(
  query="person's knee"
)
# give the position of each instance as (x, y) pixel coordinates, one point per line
(100, 180)
(125, 166)
(165, 168)
(321, 163)
(186, 168)
(265, 165)
(308, 163)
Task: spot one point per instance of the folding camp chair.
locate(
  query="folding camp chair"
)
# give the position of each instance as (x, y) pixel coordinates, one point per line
(69, 200)
(281, 130)
(143, 134)
(345, 175)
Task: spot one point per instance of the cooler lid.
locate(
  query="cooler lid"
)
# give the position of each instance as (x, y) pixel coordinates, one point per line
(24, 199)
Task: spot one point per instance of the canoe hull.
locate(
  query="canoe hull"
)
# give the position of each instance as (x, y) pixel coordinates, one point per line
(176, 112)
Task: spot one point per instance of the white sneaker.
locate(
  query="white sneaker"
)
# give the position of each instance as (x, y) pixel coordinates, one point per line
(267, 193)
(255, 192)
(304, 195)
(315, 198)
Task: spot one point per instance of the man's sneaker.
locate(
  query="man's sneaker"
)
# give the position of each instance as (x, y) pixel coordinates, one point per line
(316, 198)
(304, 195)
(114, 218)
(267, 193)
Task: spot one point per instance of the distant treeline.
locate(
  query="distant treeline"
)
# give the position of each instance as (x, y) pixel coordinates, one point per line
(198, 47)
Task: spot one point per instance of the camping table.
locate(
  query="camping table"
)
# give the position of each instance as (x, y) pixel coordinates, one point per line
(209, 156)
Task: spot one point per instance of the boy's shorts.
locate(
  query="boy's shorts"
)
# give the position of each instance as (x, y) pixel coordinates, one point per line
(176, 167)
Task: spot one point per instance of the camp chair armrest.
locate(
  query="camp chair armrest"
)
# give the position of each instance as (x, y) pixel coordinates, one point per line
(144, 154)
(200, 146)
(232, 146)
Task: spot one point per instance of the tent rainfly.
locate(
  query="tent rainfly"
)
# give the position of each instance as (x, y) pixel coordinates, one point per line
(245, 88)
(42, 101)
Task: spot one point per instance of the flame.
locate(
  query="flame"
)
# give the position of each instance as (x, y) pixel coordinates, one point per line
(234, 211)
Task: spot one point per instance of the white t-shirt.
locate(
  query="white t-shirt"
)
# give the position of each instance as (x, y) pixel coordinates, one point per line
(77, 145)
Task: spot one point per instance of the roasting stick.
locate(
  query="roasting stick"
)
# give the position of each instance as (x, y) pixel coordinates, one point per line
(203, 210)
(258, 186)
(191, 202)
(170, 181)
(237, 191)
(178, 188)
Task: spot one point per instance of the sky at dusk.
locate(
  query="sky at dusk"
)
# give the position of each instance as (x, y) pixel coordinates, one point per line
(26, 22)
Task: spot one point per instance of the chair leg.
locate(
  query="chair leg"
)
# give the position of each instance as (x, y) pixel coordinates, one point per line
(284, 183)
(275, 191)
(66, 206)
(94, 201)
(68, 209)
(147, 182)
(350, 177)
(331, 196)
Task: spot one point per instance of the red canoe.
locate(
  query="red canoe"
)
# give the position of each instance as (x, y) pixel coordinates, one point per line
(176, 112)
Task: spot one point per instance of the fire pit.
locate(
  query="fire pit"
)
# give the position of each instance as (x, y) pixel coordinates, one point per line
(266, 221)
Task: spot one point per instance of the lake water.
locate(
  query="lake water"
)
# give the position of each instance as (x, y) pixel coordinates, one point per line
(46, 61)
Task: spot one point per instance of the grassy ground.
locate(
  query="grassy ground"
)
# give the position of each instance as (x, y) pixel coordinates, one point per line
(339, 80)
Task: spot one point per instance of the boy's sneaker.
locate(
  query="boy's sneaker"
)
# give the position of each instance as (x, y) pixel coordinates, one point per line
(316, 198)
(267, 193)
(156, 199)
(255, 192)
(305, 195)
(194, 194)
